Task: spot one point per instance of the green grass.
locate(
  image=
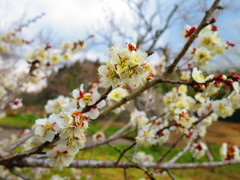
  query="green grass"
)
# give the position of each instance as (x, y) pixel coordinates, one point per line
(27, 120)
(107, 153)
(18, 120)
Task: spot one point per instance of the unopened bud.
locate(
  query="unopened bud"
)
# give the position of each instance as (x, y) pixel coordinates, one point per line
(218, 83)
(214, 28)
(132, 47)
(220, 77)
(212, 20)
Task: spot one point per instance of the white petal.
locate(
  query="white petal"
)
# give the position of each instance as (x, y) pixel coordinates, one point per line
(93, 114)
(82, 103)
(101, 104)
(75, 93)
(49, 136)
(39, 131)
(82, 87)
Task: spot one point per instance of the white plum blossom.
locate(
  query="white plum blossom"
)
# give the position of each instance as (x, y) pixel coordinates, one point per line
(198, 76)
(185, 75)
(163, 136)
(202, 56)
(94, 111)
(182, 118)
(152, 133)
(74, 138)
(198, 150)
(208, 45)
(138, 118)
(212, 88)
(126, 65)
(146, 135)
(55, 105)
(223, 107)
(98, 137)
(117, 94)
(234, 97)
(47, 128)
(60, 156)
(84, 99)
(17, 103)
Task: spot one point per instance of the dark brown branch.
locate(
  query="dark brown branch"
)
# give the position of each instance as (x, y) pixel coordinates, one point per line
(138, 92)
(103, 97)
(124, 151)
(12, 159)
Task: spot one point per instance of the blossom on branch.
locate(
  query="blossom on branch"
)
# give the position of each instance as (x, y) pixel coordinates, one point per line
(126, 65)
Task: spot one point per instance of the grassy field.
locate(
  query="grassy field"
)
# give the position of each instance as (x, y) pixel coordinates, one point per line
(107, 153)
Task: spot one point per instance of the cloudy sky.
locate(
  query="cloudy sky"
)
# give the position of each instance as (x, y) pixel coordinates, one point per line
(69, 20)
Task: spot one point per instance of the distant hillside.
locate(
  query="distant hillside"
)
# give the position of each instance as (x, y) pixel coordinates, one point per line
(63, 82)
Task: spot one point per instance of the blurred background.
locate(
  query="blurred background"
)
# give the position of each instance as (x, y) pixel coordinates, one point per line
(154, 25)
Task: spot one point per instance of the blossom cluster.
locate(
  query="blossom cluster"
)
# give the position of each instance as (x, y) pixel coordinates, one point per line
(209, 86)
(47, 56)
(42, 61)
(126, 65)
(9, 40)
(69, 122)
(208, 44)
(150, 132)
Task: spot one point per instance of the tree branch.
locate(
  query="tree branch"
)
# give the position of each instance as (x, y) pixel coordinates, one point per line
(32, 162)
(138, 92)
(124, 151)
(20, 141)
(17, 173)
(117, 135)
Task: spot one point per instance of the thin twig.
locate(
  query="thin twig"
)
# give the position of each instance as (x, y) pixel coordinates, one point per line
(180, 138)
(187, 147)
(20, 141)
(136, 164)
(171, 148)
(138, 91)
(116, 135)
(124, 151)
(103, 96)
(158, 33)
(170, 174)
(17, 173)
(125, 174)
